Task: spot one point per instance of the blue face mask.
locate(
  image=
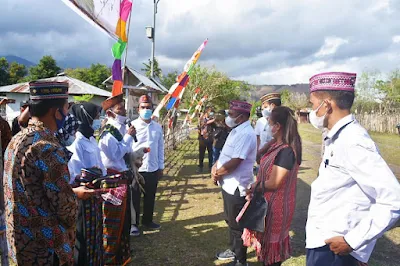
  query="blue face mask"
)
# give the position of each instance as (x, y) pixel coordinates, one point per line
(96, 124)
(146, 114)
(60, 122)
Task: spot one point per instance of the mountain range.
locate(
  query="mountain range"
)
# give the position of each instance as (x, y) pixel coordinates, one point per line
(17, 59)
(260, 90)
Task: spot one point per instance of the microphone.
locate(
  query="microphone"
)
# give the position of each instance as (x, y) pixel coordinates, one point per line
(129, 123)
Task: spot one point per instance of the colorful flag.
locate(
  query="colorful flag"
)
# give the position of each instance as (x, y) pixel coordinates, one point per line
(111, 16)
(187, 118)
(198, 106)
(182, 81)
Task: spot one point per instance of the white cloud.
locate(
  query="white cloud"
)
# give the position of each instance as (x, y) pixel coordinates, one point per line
(264, 42)
(330, 46)
(396, 39)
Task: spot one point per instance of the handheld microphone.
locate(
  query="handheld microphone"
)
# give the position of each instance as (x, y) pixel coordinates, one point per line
(129, 123)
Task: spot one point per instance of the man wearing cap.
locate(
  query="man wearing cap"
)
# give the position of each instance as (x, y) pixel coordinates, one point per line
(149, 135)
(41, 207)
(115, 143)
(355, 197)
(15, 125)
(234, 173)
(262, 129)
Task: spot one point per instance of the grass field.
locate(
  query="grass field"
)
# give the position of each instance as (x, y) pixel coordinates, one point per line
(189, 207)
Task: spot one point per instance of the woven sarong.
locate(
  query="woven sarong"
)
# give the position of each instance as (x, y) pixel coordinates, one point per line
(116, 226)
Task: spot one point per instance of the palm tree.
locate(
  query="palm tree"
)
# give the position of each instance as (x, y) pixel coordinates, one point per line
(157, 69)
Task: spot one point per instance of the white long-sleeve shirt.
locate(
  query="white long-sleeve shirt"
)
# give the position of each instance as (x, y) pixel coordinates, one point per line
(263, 130)
(241, 143)
(150, 136)
(85, 154)
(113, 151)
(356, 195)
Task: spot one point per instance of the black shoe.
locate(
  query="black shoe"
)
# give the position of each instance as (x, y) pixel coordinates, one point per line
(226, 255)
(152, 226)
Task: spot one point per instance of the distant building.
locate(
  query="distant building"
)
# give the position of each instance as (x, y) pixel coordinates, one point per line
(20, 92)
(303, 116)
(136, 84)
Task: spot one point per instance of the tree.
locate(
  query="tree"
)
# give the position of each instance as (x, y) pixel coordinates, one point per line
(16, 72)
(83, 98)
(392, 87)
(157, 69)
(298, 101)
(169, 79)
(255, 105)
(46, 68)
(4, 77)
(94, 75)
(11, 73)
(219, 88)
(285, 95)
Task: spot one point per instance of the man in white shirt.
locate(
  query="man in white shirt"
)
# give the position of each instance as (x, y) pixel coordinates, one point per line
(149, 135)
(262, 129)
(234, 172)
(115, 141)
(355, 198)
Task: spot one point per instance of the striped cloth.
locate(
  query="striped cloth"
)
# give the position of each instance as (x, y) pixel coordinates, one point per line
(273, 245)
(116, 226)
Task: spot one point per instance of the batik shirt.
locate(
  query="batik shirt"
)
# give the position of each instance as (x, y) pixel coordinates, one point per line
(41, 207)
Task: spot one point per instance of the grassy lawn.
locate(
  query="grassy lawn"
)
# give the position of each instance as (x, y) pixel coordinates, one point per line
(189, 207)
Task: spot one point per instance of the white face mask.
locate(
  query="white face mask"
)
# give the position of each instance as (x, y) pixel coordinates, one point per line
(231, 122)
(317, 121)
(266, 112)
(119, 118)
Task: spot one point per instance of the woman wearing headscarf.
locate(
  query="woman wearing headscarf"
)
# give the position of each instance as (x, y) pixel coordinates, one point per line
(86, 153)
(86, 164)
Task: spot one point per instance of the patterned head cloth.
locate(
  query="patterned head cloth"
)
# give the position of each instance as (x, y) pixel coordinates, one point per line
(240, 106)
(145, 99)
(271, 96)
(112, 101)
(48, 90)
(333, 81)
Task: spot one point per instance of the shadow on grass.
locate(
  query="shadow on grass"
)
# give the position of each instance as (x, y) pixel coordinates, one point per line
(191, 235)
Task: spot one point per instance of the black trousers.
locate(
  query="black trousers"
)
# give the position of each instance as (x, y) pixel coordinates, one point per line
(233, 204)
(150, 188)
(205, 144)
(323, 256)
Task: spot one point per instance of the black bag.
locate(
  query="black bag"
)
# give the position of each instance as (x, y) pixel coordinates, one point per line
(253, 217)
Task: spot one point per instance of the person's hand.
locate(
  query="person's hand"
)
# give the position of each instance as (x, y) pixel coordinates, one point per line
(250, 189)
(214, 174)
(160, 173)
(84, 193)
(131, 131)
(338, 245)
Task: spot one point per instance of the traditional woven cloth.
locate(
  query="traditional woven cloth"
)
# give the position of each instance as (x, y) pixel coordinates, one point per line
(89, 227)
(271, 96)
(116, 232)
(240, 106)
(274, 244)
(336, 81)
(42, 90)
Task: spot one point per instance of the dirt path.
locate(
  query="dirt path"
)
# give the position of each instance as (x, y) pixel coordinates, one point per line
(189, 207)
